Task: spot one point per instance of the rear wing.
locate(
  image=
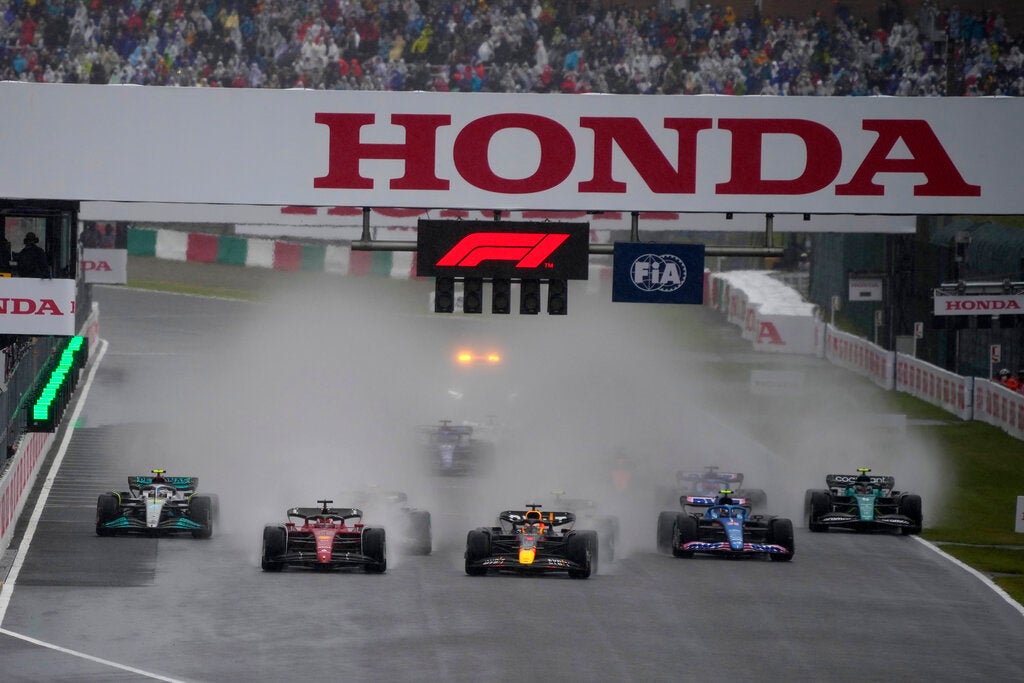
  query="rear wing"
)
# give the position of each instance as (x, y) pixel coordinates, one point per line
(179, 483)
(330, 513)
(517, 517)
(842, 481)
(708, 501)
(730, 477)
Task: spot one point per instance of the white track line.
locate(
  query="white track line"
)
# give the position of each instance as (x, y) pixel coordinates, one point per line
(82, 655)
(8, 587)
(978, 575)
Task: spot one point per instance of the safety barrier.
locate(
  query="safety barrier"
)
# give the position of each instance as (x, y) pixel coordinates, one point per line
(22, 469)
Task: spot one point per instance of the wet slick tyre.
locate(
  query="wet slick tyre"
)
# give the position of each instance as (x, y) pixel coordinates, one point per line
(819, 506)
(581, 549)
(780, 532)
(666, 522)
(910, 506)
(421, 542)
(275, 540)
(200, 511)
(374, 548)
(684, 530)
(478, 547)
(107, 509)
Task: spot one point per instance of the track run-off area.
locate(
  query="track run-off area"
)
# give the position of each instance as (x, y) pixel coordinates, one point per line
(319, 390)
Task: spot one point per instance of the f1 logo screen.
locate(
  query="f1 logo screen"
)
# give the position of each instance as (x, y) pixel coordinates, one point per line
(502, 249)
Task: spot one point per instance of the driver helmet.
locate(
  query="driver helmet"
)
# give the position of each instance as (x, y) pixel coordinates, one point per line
(863, 484)
(724, 497)
(1004, 373)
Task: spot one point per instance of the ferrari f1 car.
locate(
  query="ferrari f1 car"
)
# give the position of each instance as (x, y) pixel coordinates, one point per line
(724, 525)
(410, 526)
(323, 538)
(712, 480)
(863, 502)
(157, 505)
(532, 541)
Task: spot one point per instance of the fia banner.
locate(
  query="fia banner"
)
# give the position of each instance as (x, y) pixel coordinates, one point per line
(653, 273)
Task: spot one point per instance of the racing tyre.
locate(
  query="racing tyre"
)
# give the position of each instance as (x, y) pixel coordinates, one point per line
(419, 532)
(910, 506)
(608, 534)
(756, 498)
(200, 511)
(684, 530)
(275, 541)
(478, 547)
(780, 532)
(819, 505)
(666, 521)
(582, 550)
(107, 509)
(374, 548)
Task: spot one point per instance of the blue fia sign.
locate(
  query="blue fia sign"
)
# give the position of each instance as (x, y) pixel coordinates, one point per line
(654, 273)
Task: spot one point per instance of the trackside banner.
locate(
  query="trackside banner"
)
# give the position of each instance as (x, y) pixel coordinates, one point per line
(37, 306)
(492, 151)
(105, 266)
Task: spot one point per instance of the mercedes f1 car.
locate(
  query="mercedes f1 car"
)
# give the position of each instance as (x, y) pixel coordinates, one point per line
(863, 502)
(411, 531)
(724, 525)
(157, 505)
(532, 541)
(454, 451)
(712, 480)
(323, 538)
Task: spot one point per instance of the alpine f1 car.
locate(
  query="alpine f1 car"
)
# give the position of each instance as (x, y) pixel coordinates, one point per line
(588, 513)
(323, 538)
(863, 502)
(532, 541)
(156, 505)
(411, 531)
(712, 480)
(453, 451)
(724, 525)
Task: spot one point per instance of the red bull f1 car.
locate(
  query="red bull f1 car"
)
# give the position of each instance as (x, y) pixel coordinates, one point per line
(863, 502)
(323, 538)
(532, 541)
(723, 525)
(156, 505)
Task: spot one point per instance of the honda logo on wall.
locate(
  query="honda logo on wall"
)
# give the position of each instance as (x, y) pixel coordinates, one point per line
(505, 249)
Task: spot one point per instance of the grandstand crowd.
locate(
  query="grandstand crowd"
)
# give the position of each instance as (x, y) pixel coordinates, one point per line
(568, 46)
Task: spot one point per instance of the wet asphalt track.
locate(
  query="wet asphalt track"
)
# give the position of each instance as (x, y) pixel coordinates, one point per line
(848, 608)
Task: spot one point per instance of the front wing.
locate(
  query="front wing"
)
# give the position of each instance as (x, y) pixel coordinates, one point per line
(133, 520)
(723, 548)
(541, 563)
(852, 521)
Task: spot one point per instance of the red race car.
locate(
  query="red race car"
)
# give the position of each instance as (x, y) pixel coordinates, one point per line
(325, 538)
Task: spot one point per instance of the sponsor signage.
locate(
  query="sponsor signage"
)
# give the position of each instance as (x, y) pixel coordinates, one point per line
(655, 273)
(979, 304)
(865, 289)
(776, 382)
(37, 306)
(517, 151)
(503, 249)
(105, 266)
(1019, 524)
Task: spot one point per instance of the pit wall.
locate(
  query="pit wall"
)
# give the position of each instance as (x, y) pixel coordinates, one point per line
(20, 475)
(749, 298)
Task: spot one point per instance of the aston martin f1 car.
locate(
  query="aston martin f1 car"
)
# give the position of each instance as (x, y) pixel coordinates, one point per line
(323, 538)
(156, 505)
(863, 502)
(712, 480)
(411, 531)
(724, 525)
(532, 541)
